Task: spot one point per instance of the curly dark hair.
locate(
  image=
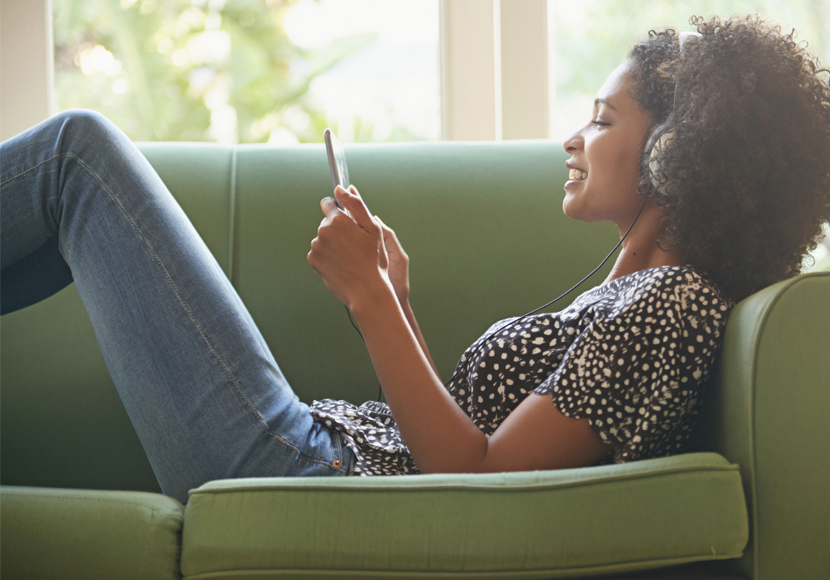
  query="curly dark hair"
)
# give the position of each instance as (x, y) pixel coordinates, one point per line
(739, 156)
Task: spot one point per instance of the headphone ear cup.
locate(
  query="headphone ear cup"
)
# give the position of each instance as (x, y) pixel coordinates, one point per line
(658, 142)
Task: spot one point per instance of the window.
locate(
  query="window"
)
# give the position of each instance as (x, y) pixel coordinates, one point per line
(389, 89)
(592, 37)
(248, 71)
(270, 70)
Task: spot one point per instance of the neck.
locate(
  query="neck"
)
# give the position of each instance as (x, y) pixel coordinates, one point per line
(641, 249)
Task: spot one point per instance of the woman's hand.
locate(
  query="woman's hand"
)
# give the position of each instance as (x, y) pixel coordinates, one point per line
(398, 262)
(349, 251)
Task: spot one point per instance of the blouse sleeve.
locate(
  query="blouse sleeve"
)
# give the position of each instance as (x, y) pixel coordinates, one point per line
(637, 372)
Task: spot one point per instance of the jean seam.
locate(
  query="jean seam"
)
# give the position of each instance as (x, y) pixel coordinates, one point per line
(336, 452)
(21, 174)
(302, 456)
(339, 450)
(172, 285)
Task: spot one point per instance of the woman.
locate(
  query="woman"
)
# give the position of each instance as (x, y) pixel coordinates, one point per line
(615, 376)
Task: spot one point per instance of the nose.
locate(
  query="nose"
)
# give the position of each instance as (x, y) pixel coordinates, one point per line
(573, 143)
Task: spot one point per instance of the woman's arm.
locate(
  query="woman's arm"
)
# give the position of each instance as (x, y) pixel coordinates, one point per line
(353, 261)
(440, 436)
(416, 330)
(399, 277)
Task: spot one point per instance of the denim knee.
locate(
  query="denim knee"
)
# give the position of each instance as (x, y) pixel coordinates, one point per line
(79, 127)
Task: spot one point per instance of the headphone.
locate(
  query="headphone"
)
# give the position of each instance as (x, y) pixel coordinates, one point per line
(659, 136)
(655, 144)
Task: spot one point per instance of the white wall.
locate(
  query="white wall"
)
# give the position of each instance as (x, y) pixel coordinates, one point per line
(468, 72)
(26, 64)
(524, 69)
(494, 69)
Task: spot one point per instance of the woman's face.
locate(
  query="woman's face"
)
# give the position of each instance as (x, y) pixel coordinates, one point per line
(605, 156)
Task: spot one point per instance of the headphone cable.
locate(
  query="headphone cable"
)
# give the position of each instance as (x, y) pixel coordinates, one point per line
(524, 316)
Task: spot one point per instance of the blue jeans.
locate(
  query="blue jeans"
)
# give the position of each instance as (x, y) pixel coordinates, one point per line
(203, 391)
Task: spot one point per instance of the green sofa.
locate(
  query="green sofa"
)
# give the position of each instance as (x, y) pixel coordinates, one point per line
(483, 226)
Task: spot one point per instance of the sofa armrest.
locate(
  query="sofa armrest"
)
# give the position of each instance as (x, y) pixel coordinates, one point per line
(70, 533)
(768, 414)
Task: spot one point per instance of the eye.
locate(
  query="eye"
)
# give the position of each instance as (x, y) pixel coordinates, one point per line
(600, 123)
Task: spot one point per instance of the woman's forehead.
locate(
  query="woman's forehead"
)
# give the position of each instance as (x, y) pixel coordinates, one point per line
(615, 91)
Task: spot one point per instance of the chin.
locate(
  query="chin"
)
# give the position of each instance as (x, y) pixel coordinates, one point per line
(570, 207)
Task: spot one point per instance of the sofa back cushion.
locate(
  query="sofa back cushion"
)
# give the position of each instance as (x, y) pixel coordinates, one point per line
(482, 224)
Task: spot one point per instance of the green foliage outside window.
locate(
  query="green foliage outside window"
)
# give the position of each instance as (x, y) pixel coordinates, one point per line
(191, 70)
(593, 36)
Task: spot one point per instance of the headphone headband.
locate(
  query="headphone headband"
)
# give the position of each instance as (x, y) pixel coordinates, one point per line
(685, 36)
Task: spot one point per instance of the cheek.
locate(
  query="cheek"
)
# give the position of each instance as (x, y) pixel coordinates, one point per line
(624, 168)
(626, 160)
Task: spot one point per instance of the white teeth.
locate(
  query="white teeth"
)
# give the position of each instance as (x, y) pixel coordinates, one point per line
(577, 175)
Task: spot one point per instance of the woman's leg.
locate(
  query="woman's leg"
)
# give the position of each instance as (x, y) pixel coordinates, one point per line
(204, 393)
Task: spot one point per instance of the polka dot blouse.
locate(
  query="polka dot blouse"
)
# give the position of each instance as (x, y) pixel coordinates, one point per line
(632, 356)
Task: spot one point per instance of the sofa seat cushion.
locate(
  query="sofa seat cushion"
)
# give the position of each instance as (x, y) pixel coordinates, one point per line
(69, 533)
(542, 524)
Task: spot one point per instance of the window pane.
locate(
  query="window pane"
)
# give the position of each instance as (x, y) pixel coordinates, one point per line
(592, 37)
(252, 70)
(390, 89)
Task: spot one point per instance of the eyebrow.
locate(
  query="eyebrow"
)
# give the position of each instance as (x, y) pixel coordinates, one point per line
(604, 102)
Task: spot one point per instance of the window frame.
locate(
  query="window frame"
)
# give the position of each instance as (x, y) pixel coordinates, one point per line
(26, 65)
(495, 78)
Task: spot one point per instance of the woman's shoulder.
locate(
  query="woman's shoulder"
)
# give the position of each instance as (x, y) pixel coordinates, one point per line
(645, 292)
(667, 288)
(681, 280)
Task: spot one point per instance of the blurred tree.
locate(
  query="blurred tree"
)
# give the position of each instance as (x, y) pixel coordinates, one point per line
(594, 36)
(219, 70)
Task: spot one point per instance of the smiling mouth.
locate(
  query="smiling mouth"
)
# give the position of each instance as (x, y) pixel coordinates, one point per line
(577, 175)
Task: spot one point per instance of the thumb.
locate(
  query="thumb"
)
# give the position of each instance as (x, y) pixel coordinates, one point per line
(350, 199)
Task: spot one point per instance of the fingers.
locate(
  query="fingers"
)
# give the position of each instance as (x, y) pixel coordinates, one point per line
(352, 203)
(388, 233)
(390, 240)
(329, 207)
